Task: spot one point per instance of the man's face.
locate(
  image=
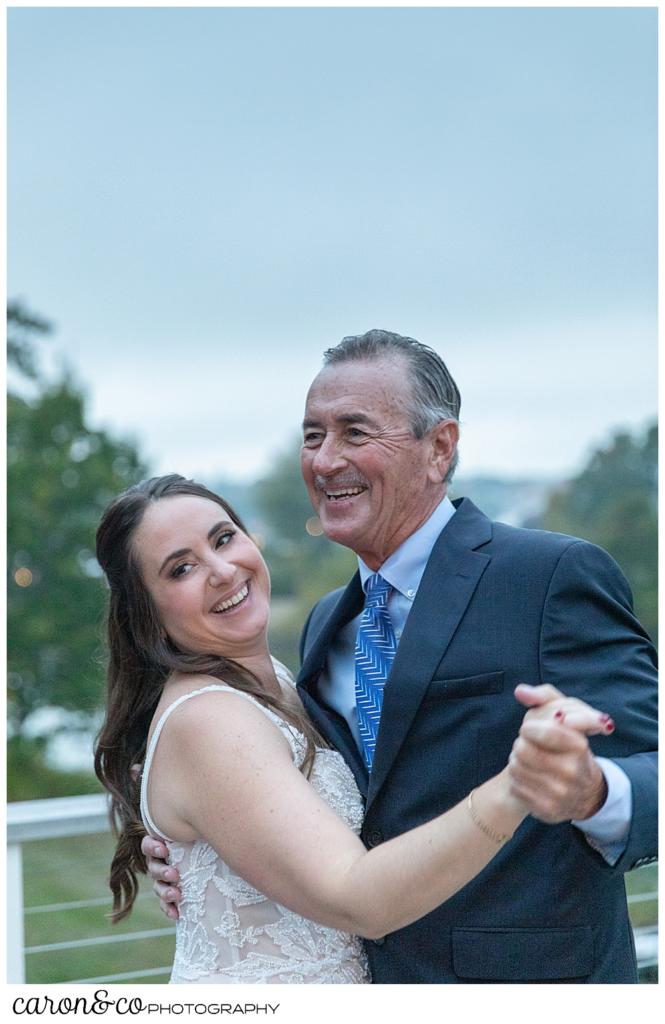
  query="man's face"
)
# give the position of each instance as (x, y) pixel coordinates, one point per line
(370, 480)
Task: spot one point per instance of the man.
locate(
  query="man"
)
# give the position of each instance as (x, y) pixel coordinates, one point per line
(416, 690)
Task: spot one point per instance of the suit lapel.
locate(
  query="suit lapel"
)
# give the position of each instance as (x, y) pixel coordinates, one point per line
(349, 604)
(329, 723)
(452, 574)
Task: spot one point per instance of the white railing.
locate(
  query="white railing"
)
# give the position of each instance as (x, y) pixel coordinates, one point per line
(55, 819)
(41, 819)
(87, 815)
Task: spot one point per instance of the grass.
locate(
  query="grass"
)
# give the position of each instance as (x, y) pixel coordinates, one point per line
(75, 869)
(69, 870)
(644, 880)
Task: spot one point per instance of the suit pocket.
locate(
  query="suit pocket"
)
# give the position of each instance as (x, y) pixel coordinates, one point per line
(465, 686)
(522, 954)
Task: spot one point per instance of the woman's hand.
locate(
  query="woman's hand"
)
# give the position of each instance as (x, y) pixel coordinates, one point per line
(551, 768)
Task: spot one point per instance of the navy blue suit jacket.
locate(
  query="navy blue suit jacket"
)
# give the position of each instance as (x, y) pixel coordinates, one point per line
(498, 606)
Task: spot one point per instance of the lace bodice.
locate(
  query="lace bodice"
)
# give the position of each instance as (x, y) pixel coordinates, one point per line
(227, 930)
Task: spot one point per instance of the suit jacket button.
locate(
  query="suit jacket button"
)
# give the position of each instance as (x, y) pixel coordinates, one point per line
(374, 837)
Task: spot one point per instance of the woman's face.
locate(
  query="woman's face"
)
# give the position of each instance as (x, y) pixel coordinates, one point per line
(206, 577)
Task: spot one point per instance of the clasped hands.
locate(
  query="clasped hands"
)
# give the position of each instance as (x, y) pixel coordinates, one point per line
(551, 766)
(551, 769)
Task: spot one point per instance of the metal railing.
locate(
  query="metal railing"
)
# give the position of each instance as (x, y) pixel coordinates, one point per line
(62, 817)
(87, 815)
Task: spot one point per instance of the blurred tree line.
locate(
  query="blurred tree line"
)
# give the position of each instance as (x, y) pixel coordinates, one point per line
(304, 565)
(62, 473)
(614, 503)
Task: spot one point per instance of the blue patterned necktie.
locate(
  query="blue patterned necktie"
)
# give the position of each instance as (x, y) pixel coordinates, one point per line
(375, 652)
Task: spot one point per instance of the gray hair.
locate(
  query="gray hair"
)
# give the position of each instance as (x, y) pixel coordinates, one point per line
(434, 394)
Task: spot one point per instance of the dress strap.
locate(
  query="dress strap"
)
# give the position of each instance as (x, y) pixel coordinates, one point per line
(150, 753)
(282, 672)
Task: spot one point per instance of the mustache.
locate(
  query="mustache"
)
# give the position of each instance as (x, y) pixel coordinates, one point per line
(326, 483)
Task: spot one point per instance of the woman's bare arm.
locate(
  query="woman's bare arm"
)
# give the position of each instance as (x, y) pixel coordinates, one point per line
(232, 781)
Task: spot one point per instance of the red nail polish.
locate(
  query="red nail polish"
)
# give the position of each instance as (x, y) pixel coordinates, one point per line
(559, 715)
(609, 726)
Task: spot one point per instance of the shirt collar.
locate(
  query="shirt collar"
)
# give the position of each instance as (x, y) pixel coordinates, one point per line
(405, 567)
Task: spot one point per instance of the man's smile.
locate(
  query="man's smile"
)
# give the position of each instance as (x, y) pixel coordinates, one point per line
(343, 492)
(340, 489)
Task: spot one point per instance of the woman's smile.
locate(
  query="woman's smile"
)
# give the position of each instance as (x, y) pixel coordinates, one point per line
(195, 565)
(233, 602)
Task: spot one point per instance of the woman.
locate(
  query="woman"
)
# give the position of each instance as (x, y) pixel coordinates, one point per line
(260, 816)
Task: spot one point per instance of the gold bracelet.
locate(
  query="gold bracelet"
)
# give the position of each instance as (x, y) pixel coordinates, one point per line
(497, 837)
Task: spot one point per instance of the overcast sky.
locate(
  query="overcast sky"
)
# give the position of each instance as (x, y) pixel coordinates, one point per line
(205, 199)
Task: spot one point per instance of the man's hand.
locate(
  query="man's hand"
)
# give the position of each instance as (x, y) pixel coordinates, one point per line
(551, 767)
(165, 878)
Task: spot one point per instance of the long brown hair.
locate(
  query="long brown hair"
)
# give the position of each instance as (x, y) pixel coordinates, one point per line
(141, 658)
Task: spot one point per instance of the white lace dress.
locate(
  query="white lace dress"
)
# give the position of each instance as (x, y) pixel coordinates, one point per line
(228, 931)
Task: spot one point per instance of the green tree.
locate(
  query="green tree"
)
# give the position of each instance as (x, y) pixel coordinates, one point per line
(613, 502)
(282, 498)
(61, 474)
(22, 326)
(303, 563)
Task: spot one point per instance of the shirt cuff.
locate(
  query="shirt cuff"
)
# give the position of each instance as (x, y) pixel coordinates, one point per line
(607, 830)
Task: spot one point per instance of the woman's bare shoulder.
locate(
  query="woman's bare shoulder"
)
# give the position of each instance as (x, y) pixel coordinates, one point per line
(209, 708)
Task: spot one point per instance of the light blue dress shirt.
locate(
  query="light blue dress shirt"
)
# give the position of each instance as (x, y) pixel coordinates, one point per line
(607, 831)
